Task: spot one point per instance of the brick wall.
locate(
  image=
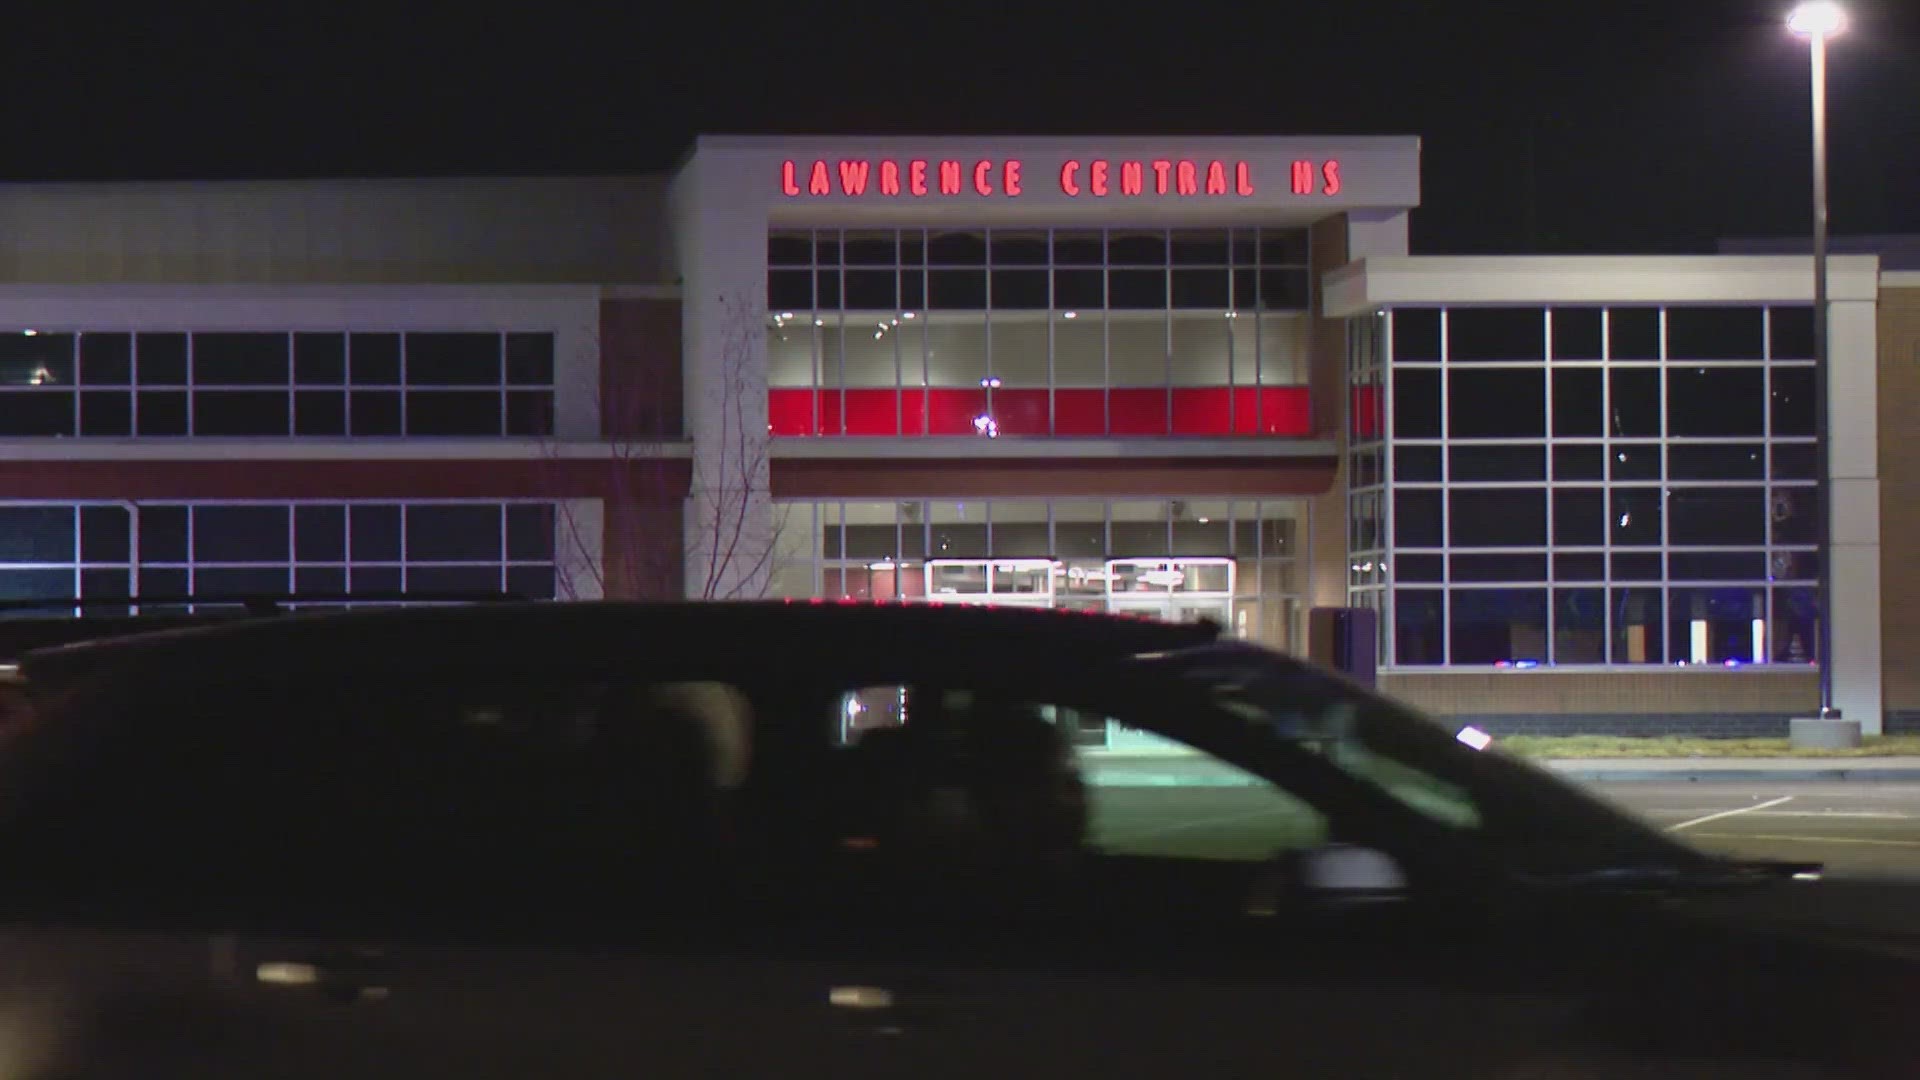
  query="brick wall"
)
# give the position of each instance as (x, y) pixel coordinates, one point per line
(1902, 722)
(640, 377)
(641, 401)
(1696, 726)
(1898, 388)
(1703, 702)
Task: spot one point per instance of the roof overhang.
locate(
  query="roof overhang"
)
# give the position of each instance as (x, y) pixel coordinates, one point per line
(1377, 284)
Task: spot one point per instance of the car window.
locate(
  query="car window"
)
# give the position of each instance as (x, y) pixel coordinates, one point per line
(465, 791)
(1142, 794)
(1329, 730)
(1525, 816)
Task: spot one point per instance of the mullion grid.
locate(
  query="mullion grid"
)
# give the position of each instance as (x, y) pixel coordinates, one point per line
(1367, 502)
(77, 564)
(347, 565)
(838, 316)
(292, 386)
(1250, 591)
(1665, 486)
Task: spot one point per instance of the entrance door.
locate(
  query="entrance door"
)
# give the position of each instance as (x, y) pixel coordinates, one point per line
(1175, 608)
(998, 582)
(1175, 590)
(1171, 590)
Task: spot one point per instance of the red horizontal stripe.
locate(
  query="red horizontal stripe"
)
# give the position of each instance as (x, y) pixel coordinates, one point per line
(642, 481)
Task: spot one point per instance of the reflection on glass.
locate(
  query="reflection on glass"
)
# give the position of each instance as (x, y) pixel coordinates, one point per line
(956, 353)
(1137, 351)
(1202, 350)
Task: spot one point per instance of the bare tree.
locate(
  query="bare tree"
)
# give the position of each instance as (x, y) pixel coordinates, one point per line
(723, 549)
(736, 524)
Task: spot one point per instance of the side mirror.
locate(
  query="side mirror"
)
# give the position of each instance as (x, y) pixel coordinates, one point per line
(1349, 869)
(1337, 873)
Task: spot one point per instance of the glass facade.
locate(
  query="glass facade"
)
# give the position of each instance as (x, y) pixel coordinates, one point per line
(1241, 563)
(1118, 332)
(1366, 472)
(111, 551)
(279, 384)
(1588, 486)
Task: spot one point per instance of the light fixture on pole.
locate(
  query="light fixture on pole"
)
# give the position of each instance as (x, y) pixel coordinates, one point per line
(1817, 21)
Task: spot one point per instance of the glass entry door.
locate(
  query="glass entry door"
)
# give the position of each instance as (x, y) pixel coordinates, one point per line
(1001, 582)
(1171, 590)
(1174, 590)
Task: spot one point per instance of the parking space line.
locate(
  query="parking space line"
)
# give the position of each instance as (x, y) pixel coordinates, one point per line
(1846, 815)
(1690, 822)
(1808, 839)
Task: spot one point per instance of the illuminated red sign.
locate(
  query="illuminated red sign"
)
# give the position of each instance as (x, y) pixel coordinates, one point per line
(1096, 178)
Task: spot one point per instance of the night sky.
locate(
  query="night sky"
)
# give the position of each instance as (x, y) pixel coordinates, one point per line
(1548, 126)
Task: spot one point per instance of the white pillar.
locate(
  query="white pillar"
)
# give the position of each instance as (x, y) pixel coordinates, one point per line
(579, 528)
(721, 238)
(1376, 233)
(576, 373)
(1854, 461)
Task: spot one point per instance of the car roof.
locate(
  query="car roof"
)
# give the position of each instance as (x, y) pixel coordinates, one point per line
(19, 636)
(759, 637)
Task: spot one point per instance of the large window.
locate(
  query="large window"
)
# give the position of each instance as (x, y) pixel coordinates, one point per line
(1591, 485)
(1367, 498)
(1038, 332)
(278, 384)
(1236, 562)
(116, 551)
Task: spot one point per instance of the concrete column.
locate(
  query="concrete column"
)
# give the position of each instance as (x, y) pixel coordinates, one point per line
(579, 528)
(1327, 512)
(729, 525)
(576, 374)
(1853, 415)
(1376, 233)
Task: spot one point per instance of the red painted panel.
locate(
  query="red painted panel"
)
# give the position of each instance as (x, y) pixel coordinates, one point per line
(1137, 411)
(1203, 410)
(1079, 411)
(1246, 410)
(873, 412)
(1285, 410)
(1021, 411)
(789, 412)
(913, 412)
(830, 412)
(1366, 411)
(951, 411)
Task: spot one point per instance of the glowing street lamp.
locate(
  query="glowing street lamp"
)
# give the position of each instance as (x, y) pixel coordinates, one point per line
(1818, 20)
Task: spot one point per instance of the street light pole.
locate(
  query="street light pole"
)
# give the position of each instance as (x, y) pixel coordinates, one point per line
(1821, 383)
(1817, 21)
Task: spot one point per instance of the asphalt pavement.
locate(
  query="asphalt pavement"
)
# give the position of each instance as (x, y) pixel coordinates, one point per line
(1859, 817)
(1861, 829)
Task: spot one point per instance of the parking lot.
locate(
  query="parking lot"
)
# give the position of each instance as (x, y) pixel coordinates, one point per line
(1860, 829)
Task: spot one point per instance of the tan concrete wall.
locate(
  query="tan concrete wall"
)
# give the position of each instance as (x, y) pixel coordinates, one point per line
(1899, 419)
(589, 230)
(1601, 693)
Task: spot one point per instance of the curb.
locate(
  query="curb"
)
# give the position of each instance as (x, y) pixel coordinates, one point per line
(1857, 775)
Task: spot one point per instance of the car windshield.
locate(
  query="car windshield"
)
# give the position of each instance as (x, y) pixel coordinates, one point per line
(1532, 821)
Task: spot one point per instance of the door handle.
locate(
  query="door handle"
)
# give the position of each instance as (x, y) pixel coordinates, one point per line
(881, 1010)
(359, 975)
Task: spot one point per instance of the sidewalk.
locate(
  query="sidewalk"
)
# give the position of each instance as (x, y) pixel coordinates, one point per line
(1680, 770)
